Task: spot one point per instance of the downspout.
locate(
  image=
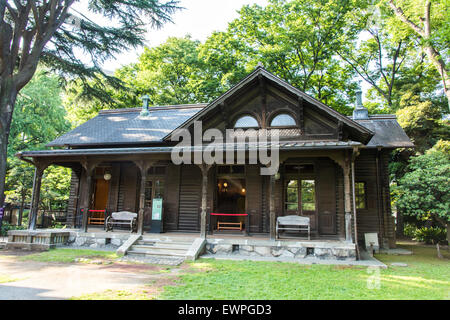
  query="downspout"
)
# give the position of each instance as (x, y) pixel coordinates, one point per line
(379, 195)
(354, 155)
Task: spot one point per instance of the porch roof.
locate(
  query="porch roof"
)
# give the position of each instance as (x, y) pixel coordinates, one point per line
(281, 145)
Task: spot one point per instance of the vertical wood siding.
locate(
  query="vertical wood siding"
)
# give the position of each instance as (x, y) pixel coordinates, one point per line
(190, 197)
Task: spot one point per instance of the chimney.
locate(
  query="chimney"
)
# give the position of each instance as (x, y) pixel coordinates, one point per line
(145, 102)
(360, 112)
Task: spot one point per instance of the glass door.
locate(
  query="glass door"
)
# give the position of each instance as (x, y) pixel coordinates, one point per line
(301, 198)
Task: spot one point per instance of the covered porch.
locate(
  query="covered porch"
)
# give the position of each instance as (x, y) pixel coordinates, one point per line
(262, 199)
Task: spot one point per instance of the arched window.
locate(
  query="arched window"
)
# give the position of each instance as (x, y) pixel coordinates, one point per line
(283, 120)
(246, 122)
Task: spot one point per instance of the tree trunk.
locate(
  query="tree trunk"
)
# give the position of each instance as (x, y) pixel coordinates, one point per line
(22, 204)
(8, 94)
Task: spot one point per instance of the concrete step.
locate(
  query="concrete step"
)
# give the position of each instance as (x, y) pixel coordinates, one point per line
(146, 247)
(150, 253)
(164, 243)
(2, 245)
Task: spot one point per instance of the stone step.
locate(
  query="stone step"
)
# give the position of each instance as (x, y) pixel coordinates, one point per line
(185, 245)
(2, 245)
(151, 252)
(158, 247)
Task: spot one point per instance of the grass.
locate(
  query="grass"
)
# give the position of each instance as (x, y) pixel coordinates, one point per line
(426, 277)
(5, 278)
(138, 294)
(69, 255)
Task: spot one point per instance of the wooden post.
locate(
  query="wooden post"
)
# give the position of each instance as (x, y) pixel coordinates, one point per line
(89, 167)
(205, 169)
(347, 199)
(35, 198)
(143, 166)
(272, 217)
(355, 226)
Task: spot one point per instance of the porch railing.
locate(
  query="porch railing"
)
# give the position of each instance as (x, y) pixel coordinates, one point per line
(48, 218)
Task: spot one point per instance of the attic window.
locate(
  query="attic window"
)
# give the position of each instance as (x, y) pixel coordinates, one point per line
(246, 122)
(283, 120)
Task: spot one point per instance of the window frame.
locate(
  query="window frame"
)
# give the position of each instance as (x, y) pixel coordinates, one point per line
(283, 126)
(243, 116)
(364, 194)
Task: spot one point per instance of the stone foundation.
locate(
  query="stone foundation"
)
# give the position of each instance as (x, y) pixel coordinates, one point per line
(36, 239)
(97, 240)
(332, 250)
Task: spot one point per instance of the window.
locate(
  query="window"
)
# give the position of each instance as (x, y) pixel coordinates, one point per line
(306, 195)
(360, 195)
(246, 122)
(283, 120)
(292, 195)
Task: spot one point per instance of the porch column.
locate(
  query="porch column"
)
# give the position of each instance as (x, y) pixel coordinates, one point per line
(35, 198)
(347, 199)
(89, 167)
(272, 217)
(205, 169)
(143, 166)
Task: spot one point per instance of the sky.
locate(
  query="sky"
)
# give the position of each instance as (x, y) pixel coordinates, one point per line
(199, 19)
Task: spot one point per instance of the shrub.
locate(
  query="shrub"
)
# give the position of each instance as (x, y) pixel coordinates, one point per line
(7, 226)
(430, 235)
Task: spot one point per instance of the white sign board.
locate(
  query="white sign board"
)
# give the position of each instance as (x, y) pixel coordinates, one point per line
(372, 240)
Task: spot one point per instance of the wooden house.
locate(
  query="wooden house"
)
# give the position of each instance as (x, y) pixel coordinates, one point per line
(333, 168)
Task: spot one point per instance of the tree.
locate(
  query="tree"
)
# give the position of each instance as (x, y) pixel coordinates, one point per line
(39, 117)
(378, 56)
(429, 22)
(34, 31)
(424, 191)
(299, 42)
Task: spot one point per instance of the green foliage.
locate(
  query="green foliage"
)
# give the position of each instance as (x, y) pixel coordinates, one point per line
(39, 117)
(430, 235)
(424, 191)
(7, 226)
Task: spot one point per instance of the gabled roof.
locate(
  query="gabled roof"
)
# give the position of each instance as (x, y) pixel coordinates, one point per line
(127, 126)
(365, 133)
(388, 133)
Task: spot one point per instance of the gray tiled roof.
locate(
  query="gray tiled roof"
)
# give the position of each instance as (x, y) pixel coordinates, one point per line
(388, 133)
(126, 126)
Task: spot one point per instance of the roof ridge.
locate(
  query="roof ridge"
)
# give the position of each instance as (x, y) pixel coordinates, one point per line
(154, 108)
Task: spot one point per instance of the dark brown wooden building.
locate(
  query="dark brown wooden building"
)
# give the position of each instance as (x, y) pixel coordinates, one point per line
(333, 168)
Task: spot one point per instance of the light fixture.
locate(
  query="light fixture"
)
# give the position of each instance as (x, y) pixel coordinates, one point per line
(225, 184)
(107, 176)
(243, 190)
(277, 176)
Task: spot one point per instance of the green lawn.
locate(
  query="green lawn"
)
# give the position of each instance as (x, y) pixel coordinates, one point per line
(69, 255)
(426, 277)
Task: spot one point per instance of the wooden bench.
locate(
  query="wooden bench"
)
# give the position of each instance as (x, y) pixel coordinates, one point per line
(96, 217)
(293, 223)
(223, 225)
(122, 218)
(229, 225)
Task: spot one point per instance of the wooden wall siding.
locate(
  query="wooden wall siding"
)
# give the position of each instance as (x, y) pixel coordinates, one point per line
(386, 196)
(265, 203)
(190, 198)
(128, 190)
(340, 211)
(326, 200)
(114, 188)
(366, 171)
(253, 187)
(72, 205)
(171, 198)
(317, 125)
